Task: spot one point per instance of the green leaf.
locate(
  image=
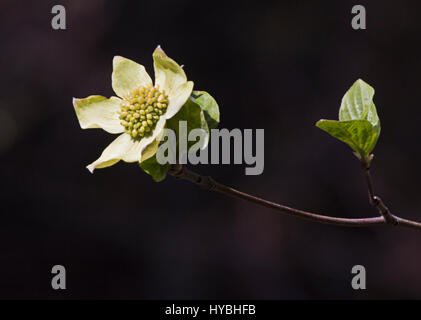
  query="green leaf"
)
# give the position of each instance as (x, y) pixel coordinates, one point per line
(358, 134)
(209, 106)
(357, 104)
(199, 111)
(359, 124)
(195, 117)
(155, 169)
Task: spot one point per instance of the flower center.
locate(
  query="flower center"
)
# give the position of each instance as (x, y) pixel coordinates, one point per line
(141, 110)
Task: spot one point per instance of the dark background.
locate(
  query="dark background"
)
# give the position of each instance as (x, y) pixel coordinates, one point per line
(280, 66)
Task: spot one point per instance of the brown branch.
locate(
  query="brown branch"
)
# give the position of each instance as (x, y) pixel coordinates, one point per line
(375, 201)
(208, 183)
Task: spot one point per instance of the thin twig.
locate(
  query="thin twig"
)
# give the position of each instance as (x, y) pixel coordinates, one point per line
(208, 183)
(376, 201)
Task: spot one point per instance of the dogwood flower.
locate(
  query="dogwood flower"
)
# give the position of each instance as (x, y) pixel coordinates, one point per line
(140, 111)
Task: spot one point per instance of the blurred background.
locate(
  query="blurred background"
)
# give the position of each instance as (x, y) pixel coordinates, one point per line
(277, 65)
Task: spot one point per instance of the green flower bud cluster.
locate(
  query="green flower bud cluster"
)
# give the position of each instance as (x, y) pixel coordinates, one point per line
(141, 110)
